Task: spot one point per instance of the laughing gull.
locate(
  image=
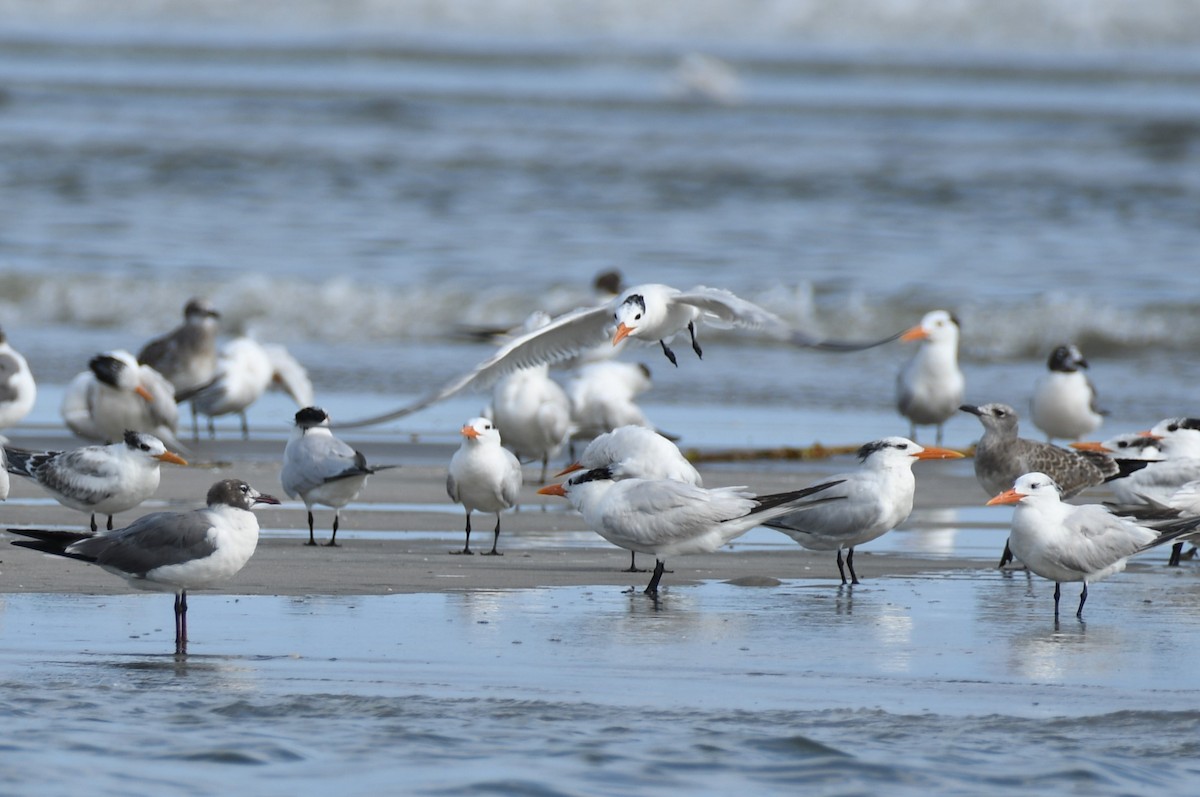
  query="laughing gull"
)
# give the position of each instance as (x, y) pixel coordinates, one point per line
(318, 468)
(170, 551)
(17, 388)
(483, 477)
(116, 394)
(1002, 456)
(665, 517)
(187, 355)
(1064, 399)
(102, 480)
(930, 386)
(1065, 542)
(878, 497)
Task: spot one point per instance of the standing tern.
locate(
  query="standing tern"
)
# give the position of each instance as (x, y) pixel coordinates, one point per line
(650, 313)
(18, 391)
(878, 497)
(104, 480)
(318, 468)
(930, 386)
(1064, 399)
(117, 394)
(170, 551)
(635, 452)
(483, 476)
(1065, 542)
(665, 517)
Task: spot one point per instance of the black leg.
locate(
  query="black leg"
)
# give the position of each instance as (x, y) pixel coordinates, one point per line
(311, 540)
(695, 345)
(850, 566)
(212, 428)
(110, 522)
(1176, 551)
(652, 587)
(495, 539)
(670, 354)
(333, 540)
(545, 465)
(633, 568)
(1057, 593)
(181, 622)
(841, 567)
(245, 426)
(1082, 600)
(467, 545)
(1007, 556)
(94, 526)
(196, 424)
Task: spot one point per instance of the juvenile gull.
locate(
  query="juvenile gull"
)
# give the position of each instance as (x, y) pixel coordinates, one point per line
(665, 517)
(170, 551)
(483, 476)
(1065, 542)
(104, 480)
(878, 497)
(187, 355)
(1002, 456)
(929, 388)
(1064, 399)
(318, 468)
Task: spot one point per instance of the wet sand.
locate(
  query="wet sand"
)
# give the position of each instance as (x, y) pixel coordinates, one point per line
(398, 536)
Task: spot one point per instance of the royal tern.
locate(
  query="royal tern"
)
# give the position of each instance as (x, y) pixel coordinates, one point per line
(105, 480)
(116, 395)
(17, 388)
(170, 551)
(1002, 455)
(187, 355)
(1133, 452)
(1064, 399)
(878, 497)
(483, 476)
(1065, 542)
(635, 452)
(318, 468)
(603, 397)
(665, 517)
(1177, 442)
(649, 313)
(930, 386)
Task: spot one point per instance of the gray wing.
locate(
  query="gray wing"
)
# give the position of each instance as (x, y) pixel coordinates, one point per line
(1101, 540)
(319, 460)
(87, 474)
(723, 309)
(151, 541)
(561, 339)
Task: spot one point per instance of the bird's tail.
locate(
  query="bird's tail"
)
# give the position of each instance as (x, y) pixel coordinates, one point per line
(768, 502)
(1172, 531)
(23, 462)
(52, 541)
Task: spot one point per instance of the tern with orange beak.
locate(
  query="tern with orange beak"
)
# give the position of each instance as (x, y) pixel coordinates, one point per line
(878, 498)
(665, 518)
(1065, 542)
(484, 476)
(930, 386)
(105, 480)
(649, 313)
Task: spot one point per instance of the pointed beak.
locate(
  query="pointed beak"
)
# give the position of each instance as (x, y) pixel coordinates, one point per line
(144, 393)
(971, 408)
(574, 466)
(916, 333)
(1088, 445)
(1006, 497)
(553, 489)
(622, 332)
(469, 431)
(938, 453)
(171, 457)
(263, 498)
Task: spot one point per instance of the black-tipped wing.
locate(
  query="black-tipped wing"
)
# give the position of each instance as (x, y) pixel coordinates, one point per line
(151, 541)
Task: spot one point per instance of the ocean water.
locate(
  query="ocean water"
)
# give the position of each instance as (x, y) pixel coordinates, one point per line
(364, 182)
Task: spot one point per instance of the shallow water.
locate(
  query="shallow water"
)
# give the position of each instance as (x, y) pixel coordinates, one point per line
(955, 683)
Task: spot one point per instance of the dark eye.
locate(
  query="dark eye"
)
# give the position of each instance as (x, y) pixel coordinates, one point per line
(1173, 427)
(245, 488)
(902, 446)
(1122, 445)
(637, 317)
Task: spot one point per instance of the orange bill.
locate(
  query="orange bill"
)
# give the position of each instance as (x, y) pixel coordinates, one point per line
(171, 457)
(1006, 497)
(552, 489)
(939, 453)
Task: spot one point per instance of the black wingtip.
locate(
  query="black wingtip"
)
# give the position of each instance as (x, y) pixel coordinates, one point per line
(800, 339)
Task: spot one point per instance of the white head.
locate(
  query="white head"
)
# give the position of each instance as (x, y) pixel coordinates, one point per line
(480, 431)
(1180, 437)
(149, 446)
(891, 451)
(937, 326)
(1030, 487)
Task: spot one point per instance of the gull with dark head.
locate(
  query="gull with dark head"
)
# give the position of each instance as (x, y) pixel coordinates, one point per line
(877, 497)
(318, 468)
(105, 480)
(1064, 399)
(170, 551)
